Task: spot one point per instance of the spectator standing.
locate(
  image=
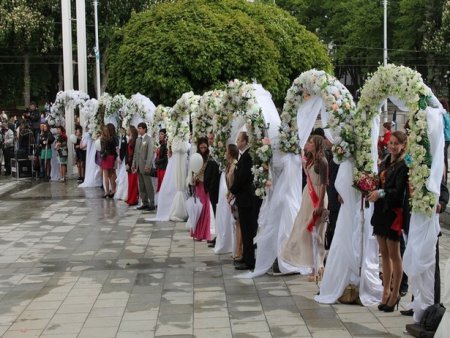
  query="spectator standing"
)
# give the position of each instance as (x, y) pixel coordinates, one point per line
(61, 147)
(80, 154)
(46, 139)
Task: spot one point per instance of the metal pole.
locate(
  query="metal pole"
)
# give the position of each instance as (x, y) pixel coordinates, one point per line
(385, 53)
(97, 52)
(81, 46)
(67, 44)
(66, 12)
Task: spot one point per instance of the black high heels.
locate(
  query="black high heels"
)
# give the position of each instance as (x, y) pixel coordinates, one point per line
(388, 308)
(381, 306)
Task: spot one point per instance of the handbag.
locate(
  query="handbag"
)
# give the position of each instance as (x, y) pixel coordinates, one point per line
(350, 295)
(153, 172)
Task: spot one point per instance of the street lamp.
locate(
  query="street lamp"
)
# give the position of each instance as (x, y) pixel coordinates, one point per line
(97, 52)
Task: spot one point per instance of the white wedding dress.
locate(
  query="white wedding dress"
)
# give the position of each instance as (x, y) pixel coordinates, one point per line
(92, 175)
(121, 183)
(225, 222)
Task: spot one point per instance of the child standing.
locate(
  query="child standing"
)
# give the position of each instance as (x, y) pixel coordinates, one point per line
(61, 147)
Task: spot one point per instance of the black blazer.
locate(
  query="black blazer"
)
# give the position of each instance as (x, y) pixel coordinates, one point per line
(243, 188)
(211, 180)
(123, 147)
(162, 159)
(395, 187)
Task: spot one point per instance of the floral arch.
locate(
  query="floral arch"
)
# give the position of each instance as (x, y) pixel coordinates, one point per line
(185, 107)
(65, 99)
(336, 113)
(210, 104)
(241, 102)
(160, 120)
(404, 87)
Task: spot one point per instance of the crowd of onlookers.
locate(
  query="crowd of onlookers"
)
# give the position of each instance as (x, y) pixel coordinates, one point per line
(29, 137)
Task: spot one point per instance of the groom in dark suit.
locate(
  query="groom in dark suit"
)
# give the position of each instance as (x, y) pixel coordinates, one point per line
(244, 192)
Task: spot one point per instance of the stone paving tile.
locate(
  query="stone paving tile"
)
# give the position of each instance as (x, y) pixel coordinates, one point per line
(79, 266)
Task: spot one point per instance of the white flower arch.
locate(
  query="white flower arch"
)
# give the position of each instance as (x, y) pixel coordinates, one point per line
(326, 95)
(161, 120)
(65, 99)
(404, 87)
(185, 106)
(240, 101)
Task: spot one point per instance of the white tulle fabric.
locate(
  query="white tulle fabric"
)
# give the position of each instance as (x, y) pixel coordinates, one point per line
(444, 326)
(166, 194)
(225, 223)
(92, 175)
(180, 154)
(353, 256)
(121, 183)
(54, 172)
(419, 257)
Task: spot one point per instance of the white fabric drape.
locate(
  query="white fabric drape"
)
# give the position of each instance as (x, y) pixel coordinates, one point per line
(281, 212)
(55, 167)
(444, 326)
(353, 256)
(178, 211)
(166, 194)
(121, 183)
(225, 222)
(419, 257)
(92, 175)
(306, 117)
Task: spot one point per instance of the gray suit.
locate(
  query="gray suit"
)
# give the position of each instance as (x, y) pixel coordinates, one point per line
(142, 159)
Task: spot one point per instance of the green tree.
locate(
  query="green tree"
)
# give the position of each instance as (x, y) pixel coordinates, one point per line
(25, 29)
(197, 45)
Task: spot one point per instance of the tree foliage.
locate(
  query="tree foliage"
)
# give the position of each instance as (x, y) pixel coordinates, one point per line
(197, 45)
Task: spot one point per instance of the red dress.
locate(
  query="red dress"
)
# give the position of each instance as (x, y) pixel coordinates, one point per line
(159, 172)
(133, 192)
(202, 229)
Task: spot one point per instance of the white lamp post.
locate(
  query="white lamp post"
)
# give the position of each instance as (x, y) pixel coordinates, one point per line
(97, 52)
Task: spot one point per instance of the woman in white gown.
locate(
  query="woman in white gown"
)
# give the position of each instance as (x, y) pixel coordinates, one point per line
(305, 246)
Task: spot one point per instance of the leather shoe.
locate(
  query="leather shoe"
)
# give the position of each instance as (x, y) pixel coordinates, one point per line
(143, 207)
(409, 312)
(238, 261)
(243, 266)
(211, 245)
(212, 241)
(151, 208)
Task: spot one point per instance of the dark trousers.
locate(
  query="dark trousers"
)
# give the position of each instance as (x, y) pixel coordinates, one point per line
(8, 154)
(437, 277)
(248, 230)
(404, 282)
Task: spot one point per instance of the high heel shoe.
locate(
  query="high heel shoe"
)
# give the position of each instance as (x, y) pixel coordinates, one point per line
(381, 306)
(111, 195)
(388, 308)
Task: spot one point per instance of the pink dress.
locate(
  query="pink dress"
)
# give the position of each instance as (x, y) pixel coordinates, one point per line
(202, 230)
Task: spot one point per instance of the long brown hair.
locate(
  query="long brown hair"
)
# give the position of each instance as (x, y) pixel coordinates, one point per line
(134, 135)
(319, 150)
(403, 140)
(203, 140)
(106, 133)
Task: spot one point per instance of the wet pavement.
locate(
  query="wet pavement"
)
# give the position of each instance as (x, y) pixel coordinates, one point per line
(73, 264)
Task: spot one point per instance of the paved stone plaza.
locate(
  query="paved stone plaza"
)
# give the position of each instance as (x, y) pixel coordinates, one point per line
(73, 264)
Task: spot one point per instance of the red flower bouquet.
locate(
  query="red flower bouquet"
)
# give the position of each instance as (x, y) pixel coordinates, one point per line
(366, 183)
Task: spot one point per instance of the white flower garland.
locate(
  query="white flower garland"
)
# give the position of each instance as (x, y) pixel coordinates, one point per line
(202, 122)
(160, 121)
(338, 102)
(65, 99)
(241, 98)
(222, 120)
(89, 110)
(115, 105)
(407, 85)
(185, 106)
(140, 105)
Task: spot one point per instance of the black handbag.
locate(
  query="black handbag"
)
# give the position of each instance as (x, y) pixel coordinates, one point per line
(153, 172)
